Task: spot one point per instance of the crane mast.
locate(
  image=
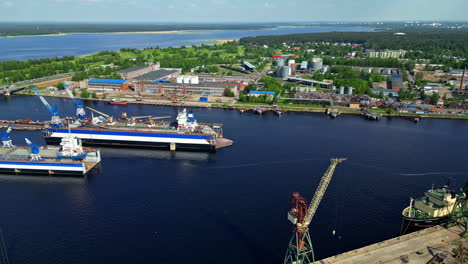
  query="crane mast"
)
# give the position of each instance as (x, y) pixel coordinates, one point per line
(300, 249)
(55, 121)
(80, 112)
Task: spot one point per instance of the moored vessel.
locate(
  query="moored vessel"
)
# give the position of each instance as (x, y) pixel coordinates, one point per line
(144, 131)
(68, 159)
(434, 208)
(116, 102)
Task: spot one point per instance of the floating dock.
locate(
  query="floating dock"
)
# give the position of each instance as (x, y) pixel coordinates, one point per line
(432, 245)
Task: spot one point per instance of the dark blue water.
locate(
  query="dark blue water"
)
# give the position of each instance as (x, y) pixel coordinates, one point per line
(147, 206)
(23, 48)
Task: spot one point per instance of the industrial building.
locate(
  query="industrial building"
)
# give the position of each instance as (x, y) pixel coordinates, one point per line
(161, 74)
(396, 83)
(212, 89)
(385, 92)
(248, 66)
(386, 54)
(260, 93)
(205, 77)
(106, 85)
(136, 71)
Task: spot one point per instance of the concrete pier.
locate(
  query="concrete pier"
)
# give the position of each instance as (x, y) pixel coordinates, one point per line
(422, 247)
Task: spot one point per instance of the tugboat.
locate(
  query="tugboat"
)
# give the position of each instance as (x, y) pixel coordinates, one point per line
(434, 208)
(115, 102)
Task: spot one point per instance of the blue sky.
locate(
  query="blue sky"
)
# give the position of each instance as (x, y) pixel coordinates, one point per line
(231, 10)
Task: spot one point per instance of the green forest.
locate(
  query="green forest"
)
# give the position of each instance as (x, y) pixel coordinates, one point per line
(450, 43)
(19, 29)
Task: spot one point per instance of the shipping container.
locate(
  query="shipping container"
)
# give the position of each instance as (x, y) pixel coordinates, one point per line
(412, 107)
(203, 99)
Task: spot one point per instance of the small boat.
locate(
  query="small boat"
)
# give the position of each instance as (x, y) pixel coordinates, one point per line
(115, 102)
(333, 112)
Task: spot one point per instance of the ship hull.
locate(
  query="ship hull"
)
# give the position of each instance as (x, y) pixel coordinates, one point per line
(42, 168)
(134, 139)
(412, 224)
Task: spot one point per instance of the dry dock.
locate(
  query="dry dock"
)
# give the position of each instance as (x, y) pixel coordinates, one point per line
(422, 247)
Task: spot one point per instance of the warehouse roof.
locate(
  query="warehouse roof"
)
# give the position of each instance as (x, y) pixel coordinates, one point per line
(262, 92)
(249, 65)
(116, 81)
(156, 75)
(135, 68)
(304, 65)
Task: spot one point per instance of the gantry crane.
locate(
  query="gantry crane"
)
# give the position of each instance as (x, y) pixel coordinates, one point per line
(55, 122)
(80, 112)
(300, 249)
(6, 139)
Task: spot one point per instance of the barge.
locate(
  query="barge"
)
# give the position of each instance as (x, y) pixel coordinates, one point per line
(144, 131)
(70, 159)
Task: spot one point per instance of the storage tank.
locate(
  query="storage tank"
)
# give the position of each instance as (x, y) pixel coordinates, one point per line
(284, 72)
(341, 91)
(186, 79)
(194, 79)
(317, 64)
(280, 63)
(349, 90)
(180, 79)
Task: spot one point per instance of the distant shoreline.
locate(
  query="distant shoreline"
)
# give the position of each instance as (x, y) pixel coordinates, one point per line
(130, 32)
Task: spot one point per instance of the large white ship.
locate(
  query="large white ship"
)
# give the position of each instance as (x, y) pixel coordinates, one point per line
(143, 131)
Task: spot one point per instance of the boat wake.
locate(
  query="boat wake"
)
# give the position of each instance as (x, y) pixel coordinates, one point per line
(432, 173)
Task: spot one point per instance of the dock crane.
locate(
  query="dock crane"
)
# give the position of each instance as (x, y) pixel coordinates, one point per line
(108, 117)
(6, 140)
(80, 112)
(55, 122)
(35, 151)
(300, 249)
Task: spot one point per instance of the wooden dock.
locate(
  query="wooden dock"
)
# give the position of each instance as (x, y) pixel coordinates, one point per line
(26, 124)
(422, 247)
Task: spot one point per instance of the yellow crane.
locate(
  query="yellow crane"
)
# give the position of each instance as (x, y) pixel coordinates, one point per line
(300, 249)
(99, 112)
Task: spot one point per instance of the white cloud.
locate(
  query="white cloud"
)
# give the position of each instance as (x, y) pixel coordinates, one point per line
(171, 6)
(193, 5)
(268, 5)
(90, 2)
(7, 4)
(218, 2)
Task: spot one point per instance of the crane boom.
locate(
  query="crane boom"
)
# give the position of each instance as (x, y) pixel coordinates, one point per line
(322, 187)
(43, 100)
(99, 112)
(80, 112)
(55, 121)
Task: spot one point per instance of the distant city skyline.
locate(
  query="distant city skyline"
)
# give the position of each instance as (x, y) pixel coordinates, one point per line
(217, 11)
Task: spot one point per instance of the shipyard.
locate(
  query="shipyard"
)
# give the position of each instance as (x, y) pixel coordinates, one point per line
(237, 134)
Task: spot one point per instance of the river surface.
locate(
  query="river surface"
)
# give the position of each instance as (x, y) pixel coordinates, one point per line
(150, 206)
(23, 48)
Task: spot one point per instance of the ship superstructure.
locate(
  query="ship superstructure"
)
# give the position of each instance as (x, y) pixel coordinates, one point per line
(432, 209)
